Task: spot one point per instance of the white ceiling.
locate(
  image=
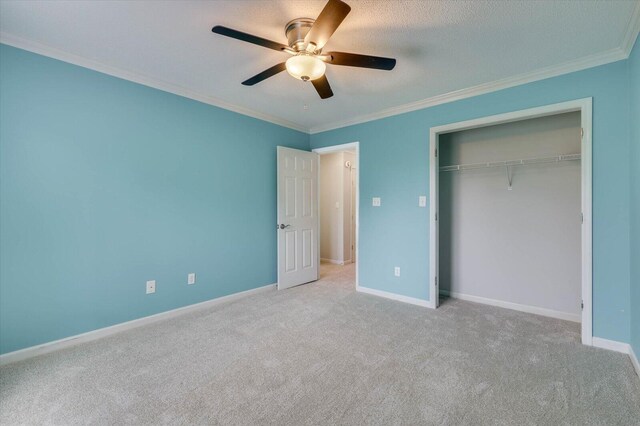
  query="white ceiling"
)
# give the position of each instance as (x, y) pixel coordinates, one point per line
(441, 47)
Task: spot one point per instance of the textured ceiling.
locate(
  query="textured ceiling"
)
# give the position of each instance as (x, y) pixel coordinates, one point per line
(440, 46)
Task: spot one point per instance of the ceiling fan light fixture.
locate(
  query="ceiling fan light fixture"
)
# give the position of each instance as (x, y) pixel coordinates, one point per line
(305, 67)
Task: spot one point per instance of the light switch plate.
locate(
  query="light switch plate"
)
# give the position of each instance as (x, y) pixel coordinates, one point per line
(151, 286)
(422, 201)
(375, 201)
(191, 278)
(396, 271)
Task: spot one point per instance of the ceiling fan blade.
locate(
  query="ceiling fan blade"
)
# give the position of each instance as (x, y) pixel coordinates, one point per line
(328, 21)
(362, 61)
(239, 35)
(322, 87)
(270, 72)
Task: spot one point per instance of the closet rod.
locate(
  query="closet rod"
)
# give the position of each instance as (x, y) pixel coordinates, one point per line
(522, 162)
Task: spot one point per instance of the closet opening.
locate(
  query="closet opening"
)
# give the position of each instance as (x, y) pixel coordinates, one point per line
(510, 195)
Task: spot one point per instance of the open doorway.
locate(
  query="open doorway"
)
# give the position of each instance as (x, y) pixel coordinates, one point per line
(338, 211)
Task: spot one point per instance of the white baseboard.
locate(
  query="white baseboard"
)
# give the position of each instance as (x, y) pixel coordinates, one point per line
(621, 347)
(394, 296)
(611, 345)
(334, 262)
(515, 306)
(117, 328)
(634, 360)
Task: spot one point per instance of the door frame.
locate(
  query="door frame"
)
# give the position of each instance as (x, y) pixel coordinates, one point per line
(584, 106)
(339, 148)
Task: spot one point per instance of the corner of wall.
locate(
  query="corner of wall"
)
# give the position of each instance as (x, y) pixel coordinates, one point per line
(634, 157)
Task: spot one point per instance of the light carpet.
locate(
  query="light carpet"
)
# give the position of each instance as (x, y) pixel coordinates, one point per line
(323, 354)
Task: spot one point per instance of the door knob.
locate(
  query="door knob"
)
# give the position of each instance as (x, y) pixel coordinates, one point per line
(283, 226)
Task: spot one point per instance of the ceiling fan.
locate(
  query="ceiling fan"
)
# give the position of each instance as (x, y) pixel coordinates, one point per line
(306, 38)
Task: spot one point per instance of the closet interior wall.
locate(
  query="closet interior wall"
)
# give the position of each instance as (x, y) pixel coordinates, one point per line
(520, 245)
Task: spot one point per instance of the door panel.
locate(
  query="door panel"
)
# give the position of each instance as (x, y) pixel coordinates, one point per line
(298, 255)
(290, 197)
(307, 194)
(290, 247)
(307, 249)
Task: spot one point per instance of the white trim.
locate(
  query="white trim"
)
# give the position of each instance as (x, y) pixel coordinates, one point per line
(89, 336)
(585, 108)
(514, 306)
(602, 58)
(51, 52)
(333, 261)
(634, 360)
(434, 239)
(338, 148)
(611, 345)
(625, 348)
(586, 169)
(633, 29)
(591, 61)
(393, 296)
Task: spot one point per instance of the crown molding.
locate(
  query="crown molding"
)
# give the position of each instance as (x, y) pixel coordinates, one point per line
(602, 58)
(45, 50)
(590, 61)
(633, 29)
(613, 55)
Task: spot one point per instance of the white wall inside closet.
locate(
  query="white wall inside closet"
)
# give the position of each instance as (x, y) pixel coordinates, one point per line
(337, 207)
(523, 245)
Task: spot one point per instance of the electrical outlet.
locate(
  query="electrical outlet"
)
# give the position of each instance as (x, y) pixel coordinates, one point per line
(396, 271)
(151, 286)
(422, 201)
(375, 201)
(191, 278)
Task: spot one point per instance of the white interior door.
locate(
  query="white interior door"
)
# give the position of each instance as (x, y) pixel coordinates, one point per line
(298, 224)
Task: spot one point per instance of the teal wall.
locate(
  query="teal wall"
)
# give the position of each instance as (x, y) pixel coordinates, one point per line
(394, 165)
(105, 184)
(634, 76)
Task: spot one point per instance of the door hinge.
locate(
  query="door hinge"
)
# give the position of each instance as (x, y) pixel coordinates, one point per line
(582, 132)
(581, 217)
(436, 281)
(581, 305)
(436, 152)
(436, 216)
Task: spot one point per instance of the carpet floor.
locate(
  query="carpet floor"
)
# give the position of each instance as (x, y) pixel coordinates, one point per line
(323, 354)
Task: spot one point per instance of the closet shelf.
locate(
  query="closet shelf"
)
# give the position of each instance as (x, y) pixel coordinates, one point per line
(522, 162)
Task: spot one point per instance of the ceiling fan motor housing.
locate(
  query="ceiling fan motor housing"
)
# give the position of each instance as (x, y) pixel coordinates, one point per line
(296, 30)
